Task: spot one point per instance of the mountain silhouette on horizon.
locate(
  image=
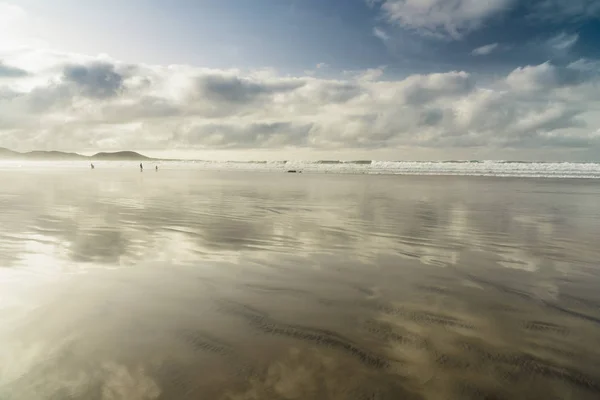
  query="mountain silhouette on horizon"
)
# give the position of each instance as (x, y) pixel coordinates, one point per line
(7, 154)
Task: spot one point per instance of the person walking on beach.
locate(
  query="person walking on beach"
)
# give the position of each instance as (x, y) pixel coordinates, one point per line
(156, 168)
(92, 165)
(141, 167)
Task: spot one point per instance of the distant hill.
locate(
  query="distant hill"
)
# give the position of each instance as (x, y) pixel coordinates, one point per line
(52, 155)
(6, 154)
(120, 155)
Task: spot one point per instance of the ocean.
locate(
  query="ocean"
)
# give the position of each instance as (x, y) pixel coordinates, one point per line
(215, 280)
(525, 169)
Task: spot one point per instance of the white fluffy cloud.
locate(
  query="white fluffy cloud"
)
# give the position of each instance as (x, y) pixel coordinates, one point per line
(77, 102)
(381, 34)
(485, 50)
(563, 41)
(547, 77)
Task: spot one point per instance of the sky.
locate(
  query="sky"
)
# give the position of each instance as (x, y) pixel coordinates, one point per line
(303, 79)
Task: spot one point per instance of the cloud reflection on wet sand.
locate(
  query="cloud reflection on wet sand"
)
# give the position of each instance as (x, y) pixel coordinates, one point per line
(251, 286)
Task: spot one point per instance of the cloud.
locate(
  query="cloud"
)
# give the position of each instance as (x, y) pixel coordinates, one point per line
(237, 90)
(485, 50)
(590, 66)
(423, 89)
(224, 135)
(19, 29)
(454, 19)
(563, 41)
(381, 34)
(78, 103)
(6, 71)
(98, 79)
(442, 18)
(565, 11)
(547, 77)
(371, 74)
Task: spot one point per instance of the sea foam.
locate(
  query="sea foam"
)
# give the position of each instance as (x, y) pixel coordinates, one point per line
(442, 168)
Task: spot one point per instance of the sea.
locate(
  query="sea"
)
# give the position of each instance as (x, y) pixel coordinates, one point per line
(497, 168)
(350, 280)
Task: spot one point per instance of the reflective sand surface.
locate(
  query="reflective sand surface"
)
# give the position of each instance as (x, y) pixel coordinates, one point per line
(203, 285)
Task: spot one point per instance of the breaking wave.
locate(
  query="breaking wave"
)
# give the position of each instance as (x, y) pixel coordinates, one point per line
(500, 168)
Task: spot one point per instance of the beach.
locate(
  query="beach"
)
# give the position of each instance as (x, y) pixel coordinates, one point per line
(185, 283)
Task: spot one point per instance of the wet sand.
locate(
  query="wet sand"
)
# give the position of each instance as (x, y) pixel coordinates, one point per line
(205, 285)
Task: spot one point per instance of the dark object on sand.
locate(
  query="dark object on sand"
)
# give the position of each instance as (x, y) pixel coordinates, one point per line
(293, 171)
(141, 167)
(92, 165)
(156, 168)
